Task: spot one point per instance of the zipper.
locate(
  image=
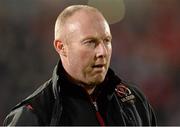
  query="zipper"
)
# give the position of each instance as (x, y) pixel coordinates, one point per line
(98, 115)
(94, 104)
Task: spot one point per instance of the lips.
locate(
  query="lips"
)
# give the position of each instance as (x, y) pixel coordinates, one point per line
(98, 66)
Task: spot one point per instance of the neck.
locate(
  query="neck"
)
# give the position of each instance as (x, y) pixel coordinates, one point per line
(88, 87)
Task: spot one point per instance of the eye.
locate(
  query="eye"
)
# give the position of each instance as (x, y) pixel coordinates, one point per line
(90, 42)
(107, 41)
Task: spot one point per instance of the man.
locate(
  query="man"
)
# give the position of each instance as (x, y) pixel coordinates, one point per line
(83, 89)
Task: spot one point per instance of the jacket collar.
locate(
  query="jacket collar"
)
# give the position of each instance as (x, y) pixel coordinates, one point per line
(55, 78)
(111, 79)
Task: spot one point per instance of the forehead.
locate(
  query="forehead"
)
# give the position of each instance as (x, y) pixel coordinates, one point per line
(87, 22)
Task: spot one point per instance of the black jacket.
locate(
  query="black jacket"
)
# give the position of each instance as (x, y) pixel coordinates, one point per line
(60, 102)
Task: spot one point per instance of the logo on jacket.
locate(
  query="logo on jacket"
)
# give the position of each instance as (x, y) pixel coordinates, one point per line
(124, 93)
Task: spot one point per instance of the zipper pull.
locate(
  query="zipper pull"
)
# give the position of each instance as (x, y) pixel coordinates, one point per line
(95, 105)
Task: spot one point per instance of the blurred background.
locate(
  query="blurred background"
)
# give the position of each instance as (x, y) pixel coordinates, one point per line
(146, 46)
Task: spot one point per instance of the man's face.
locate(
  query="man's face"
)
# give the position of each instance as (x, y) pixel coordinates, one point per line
(88, 47)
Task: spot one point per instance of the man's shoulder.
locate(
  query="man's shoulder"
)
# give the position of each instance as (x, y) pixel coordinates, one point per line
(137, 92)
(21, 116)
(125, 90)
(38, 103)
(131, 98)
(44, 91)
(129, 91)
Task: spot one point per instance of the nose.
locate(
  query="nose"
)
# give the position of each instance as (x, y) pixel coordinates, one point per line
(102, 50)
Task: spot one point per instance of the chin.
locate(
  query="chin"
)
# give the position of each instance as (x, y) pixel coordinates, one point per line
(98, 80)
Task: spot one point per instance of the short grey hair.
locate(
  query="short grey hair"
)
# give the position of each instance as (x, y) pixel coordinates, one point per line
(68, 12)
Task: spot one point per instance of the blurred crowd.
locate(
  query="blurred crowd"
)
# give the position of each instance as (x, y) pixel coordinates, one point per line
(146, 47)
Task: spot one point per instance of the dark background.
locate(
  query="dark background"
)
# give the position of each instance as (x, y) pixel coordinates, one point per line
(146, 48)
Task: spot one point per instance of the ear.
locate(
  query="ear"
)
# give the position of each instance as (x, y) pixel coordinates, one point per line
(60, 47)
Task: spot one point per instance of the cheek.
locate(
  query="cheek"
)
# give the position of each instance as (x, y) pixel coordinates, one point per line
(86, 58)
(80, 59)
(109, 52)
(110, 49)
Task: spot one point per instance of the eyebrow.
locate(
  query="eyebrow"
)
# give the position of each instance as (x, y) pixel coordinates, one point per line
(95, 37)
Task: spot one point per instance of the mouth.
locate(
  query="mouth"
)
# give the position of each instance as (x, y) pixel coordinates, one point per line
(98, 66)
